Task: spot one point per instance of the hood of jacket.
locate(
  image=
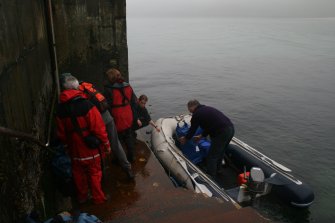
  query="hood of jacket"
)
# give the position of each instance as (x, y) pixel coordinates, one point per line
(70, 94)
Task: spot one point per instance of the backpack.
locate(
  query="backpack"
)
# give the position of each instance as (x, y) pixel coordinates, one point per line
(62, 171)
(94, 96)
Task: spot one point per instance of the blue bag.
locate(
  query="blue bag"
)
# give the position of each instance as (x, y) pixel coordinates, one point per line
(182, 130)
(62, 171)
(195, 152)
(204, 146)
(61, 164)
(81, 218)
(87, 218)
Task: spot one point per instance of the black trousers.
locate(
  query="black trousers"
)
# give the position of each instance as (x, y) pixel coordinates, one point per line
(216, 152)
(127, 137)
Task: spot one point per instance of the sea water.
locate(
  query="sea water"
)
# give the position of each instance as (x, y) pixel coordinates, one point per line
(274, 78)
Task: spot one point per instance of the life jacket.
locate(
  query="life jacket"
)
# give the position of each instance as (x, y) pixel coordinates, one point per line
(94, 96)
(89, 121)
(119, 97)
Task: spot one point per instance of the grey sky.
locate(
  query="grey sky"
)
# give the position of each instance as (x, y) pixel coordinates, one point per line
(231, 8)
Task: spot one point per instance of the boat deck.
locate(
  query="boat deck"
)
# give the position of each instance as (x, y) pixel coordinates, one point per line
(152, 197)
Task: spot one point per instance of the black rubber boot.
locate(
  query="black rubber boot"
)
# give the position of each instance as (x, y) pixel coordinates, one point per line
(130, 174)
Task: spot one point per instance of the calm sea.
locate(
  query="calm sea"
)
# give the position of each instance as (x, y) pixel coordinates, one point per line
(275, 79)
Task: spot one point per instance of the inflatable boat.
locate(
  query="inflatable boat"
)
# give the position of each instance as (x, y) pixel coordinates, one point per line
(256, 174)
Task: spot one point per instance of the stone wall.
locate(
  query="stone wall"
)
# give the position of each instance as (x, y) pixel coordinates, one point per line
(90, 36)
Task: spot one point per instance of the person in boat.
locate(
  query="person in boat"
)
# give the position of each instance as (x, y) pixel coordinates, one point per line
(122, 101)
(100, 102)
(143, 117)
(80, 126)
(215, 124)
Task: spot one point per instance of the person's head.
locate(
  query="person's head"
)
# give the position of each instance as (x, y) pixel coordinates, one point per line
(142, 100)
(70, 82)
(62, 78)
(192, 105)
(113, 75)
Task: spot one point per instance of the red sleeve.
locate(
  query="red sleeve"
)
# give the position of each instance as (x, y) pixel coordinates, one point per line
(96, 125)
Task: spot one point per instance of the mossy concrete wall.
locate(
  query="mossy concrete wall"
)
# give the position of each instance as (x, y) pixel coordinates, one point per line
(26, 86)
(90, 36)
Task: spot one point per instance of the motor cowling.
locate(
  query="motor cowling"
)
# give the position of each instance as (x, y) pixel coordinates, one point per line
(252, 184)
(256, 182)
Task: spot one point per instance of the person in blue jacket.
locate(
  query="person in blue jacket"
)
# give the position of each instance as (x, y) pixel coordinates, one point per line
(215, 124)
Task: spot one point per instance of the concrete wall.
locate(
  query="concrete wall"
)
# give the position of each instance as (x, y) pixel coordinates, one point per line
(25, 91)
(90, 36)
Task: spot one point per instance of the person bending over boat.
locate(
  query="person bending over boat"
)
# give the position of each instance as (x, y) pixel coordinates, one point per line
(143, 117)
(215, 124)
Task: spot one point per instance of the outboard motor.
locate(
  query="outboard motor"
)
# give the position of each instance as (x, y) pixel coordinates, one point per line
(251, 185)
(256, 182)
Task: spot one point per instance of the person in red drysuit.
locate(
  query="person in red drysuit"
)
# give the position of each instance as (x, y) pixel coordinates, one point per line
(86, 161)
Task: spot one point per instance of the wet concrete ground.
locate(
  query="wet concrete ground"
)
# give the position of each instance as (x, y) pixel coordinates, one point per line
(152, 197)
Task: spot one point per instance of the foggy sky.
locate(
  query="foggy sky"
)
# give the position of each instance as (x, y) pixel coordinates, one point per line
(231, 8)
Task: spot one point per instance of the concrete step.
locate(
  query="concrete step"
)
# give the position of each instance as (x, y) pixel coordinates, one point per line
(152, 197)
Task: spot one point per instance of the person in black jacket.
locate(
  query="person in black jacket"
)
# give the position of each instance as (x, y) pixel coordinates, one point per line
(143, 117)
(215, 124)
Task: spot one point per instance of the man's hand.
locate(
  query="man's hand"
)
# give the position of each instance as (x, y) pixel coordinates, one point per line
(182, 140)
(139, 123)
(197, 138)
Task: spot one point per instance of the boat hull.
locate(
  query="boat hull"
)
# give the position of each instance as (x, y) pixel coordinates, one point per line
(285, 186)
(183, 171)
(239, 154)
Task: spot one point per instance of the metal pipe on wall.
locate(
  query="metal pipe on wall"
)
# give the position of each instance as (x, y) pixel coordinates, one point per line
(53, 43)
